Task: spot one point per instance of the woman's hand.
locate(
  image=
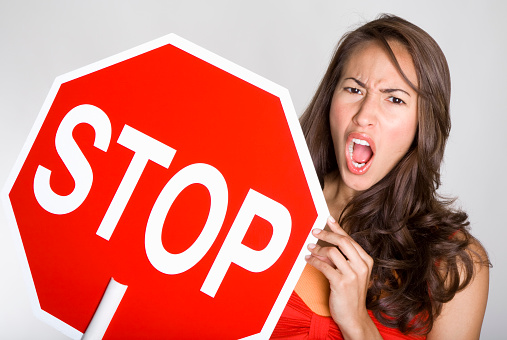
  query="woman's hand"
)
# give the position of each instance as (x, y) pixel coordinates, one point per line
(348, 268)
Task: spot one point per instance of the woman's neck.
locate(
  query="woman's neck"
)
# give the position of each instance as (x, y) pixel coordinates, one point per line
(337, 194)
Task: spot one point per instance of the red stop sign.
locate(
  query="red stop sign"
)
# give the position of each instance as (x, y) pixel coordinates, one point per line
(180, 175)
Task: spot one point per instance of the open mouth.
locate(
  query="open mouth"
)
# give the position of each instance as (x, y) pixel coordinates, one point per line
(360, 153)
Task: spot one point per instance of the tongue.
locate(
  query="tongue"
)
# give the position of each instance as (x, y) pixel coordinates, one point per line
(362, 153)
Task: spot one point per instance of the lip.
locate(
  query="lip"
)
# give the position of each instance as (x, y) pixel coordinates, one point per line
(348, 157)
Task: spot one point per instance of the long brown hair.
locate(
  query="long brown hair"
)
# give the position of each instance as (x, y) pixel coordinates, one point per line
(418, 241)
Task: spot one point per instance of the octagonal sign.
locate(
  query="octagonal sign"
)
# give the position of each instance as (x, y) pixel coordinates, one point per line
(164, 193)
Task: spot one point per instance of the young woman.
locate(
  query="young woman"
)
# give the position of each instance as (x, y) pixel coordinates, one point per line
(396, 261)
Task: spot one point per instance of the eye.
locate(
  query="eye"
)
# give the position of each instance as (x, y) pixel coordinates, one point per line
(353, 90)
(396, 100)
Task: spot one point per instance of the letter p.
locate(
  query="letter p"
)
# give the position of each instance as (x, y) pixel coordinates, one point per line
(234, 251)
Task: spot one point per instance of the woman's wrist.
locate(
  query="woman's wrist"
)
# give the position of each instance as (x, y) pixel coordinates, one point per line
(361, 330)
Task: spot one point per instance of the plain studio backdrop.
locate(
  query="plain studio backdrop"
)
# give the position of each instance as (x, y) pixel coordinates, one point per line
(288, 42)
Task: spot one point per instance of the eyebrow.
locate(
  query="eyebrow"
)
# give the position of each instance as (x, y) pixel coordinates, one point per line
(360, 83)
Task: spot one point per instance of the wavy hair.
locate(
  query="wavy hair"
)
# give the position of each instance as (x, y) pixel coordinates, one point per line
(418, 241)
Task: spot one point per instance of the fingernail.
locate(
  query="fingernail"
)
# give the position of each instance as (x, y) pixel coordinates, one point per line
(307, 257)
(311, 246)
(316, 231)
(331, 219)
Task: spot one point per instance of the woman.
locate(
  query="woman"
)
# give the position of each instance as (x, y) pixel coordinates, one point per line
(400, 262)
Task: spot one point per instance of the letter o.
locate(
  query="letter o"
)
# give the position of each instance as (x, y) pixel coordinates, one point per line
(213, 180)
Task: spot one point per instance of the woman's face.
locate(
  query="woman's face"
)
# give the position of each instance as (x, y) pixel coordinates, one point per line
(373, 115)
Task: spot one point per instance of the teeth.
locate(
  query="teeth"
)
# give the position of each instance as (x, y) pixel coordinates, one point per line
(358, 165)
(360, 141)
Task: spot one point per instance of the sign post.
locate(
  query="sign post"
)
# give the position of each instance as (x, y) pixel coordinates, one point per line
(179, 180)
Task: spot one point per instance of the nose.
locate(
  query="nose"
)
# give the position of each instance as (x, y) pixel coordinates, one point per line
(368, 110)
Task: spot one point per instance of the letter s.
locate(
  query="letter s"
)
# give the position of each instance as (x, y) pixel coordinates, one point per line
(74, 160)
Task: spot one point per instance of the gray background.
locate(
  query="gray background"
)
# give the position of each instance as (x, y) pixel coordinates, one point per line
(288, 42)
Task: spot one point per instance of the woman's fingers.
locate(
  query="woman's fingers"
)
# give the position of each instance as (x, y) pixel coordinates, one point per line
(345, 243)
(325, 266)
(340, 272)
(346, 255)
(330, 255)
(337, 268)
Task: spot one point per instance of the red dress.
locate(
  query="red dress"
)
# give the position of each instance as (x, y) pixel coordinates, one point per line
(299, 322)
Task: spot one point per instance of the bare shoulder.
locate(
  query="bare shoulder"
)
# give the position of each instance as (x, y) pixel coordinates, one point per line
(462, 317)
(479, 255)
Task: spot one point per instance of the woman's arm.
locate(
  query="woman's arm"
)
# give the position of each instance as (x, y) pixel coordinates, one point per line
(348, 271)
(461, 318)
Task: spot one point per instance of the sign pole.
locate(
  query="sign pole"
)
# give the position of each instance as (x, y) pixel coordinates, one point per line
(105, 312)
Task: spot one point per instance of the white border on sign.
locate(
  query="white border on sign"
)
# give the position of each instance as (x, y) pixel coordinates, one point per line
(224, 64)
